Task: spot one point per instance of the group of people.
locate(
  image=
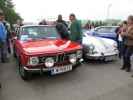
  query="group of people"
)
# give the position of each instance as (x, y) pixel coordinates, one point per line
(72, 32)
(125, 36)
(125, 42)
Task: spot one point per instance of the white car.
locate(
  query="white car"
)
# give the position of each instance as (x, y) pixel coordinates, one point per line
(98, 48)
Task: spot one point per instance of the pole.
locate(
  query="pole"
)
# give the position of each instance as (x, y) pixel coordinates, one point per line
(108, 11)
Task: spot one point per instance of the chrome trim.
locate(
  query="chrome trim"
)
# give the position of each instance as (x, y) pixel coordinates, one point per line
(43, 69)
(35, 69)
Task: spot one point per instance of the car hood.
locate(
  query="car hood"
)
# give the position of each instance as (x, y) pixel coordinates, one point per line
(101, 44)
(49, 46)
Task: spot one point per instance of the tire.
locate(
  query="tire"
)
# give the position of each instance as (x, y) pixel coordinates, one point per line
(23, 73)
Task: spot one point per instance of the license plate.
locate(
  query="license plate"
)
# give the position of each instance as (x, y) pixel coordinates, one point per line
(59, 70)
(110, 58)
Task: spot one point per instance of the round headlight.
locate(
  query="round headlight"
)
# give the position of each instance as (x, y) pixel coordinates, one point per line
(73, 58)
(79, 53)
(115, 45)
(91, 47)
(33, 61)
(49, 62)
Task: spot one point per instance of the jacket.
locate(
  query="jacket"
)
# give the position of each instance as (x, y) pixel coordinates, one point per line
(3, 33)
(62, 30)
(129, 36)
(76, 31)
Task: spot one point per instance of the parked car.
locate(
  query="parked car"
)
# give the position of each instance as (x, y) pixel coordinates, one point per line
(105, 32)
(97, 48)
(40, 48)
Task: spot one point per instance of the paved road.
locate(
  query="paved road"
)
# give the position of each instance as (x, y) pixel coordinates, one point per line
(91, 81)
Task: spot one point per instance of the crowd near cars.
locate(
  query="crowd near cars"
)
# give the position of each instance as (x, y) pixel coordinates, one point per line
(40, 48)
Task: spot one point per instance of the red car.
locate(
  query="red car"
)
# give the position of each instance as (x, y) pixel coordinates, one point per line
(40, 48)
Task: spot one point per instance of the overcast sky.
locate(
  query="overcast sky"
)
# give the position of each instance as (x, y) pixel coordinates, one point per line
(35, 10)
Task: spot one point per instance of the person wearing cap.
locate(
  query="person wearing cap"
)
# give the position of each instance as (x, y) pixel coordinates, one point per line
(75, 29)
(3, 40)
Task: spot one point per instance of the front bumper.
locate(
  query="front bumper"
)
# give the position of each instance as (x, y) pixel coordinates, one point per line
(102, 57)
(44, 69)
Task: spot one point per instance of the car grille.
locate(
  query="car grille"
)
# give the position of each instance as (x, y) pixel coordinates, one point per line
(59, 58)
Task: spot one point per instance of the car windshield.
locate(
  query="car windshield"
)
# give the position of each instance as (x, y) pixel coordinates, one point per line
(38, 32)
(105, 30)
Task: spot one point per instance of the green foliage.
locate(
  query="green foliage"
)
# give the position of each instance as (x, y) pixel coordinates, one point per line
(96, 23)
(8, 9)
(113, 22)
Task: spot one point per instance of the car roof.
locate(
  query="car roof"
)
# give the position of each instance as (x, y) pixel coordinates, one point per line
(37, 26)
(107, 26)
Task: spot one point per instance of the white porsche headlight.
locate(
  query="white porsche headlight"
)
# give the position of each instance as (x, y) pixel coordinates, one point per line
(33, 61)
(115, 45)
(73, 58)
(79, 54)
(49, 62)
(91, 47)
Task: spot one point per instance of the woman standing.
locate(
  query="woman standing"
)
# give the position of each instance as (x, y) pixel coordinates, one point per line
(122, 40)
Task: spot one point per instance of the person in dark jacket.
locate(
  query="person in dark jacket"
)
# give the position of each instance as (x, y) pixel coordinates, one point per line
(121, 40)
(62, 30)
(43, 22)
(60, 20)
(128, 35)
(75, 29)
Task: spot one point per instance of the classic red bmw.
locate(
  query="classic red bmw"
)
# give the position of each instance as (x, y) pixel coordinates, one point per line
(40, 48)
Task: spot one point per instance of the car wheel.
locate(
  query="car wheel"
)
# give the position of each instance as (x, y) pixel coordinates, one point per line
(23, 73)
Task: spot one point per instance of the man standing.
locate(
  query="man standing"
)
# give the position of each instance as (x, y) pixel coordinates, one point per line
(3, 39)
(43, 22)
(129, 44)
(7, 26)
(121, 40)
(60, 20)
(62, 30)
(75, 29)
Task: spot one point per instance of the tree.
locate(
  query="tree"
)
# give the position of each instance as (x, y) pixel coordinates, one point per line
(8, 9)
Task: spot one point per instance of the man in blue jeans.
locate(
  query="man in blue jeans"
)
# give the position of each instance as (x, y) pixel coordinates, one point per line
(3, 40)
